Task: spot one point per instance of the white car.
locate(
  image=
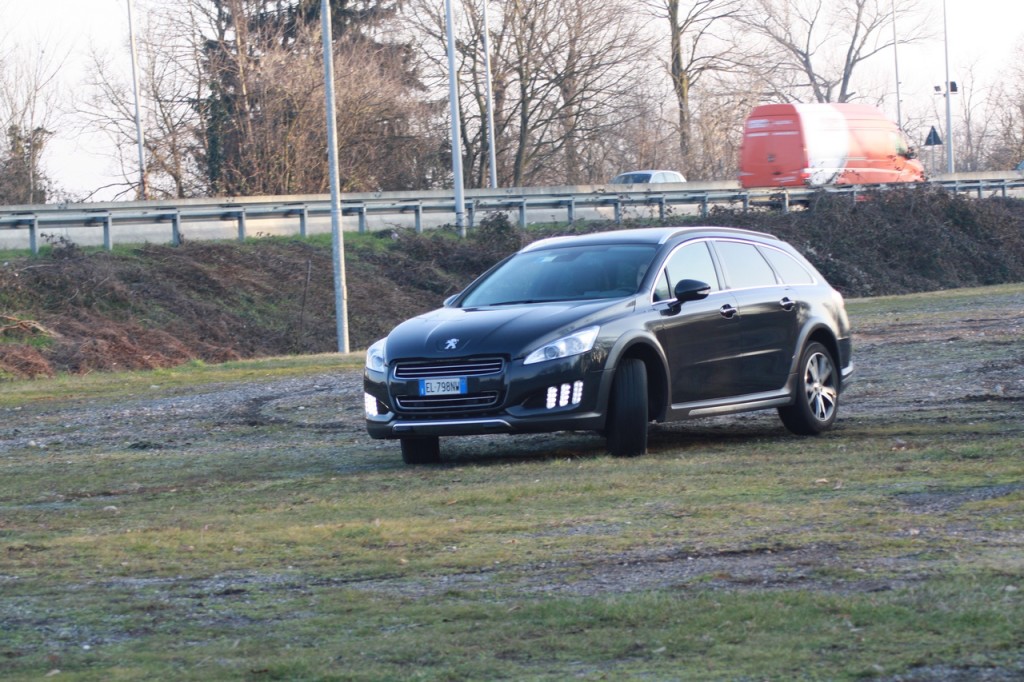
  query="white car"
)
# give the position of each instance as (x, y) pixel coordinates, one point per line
(644, 177)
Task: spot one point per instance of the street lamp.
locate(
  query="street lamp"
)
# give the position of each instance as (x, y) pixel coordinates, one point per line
(491, 154)
(896, 62)
(946, 92)
(139, 136)
(337, 235)
(453, 105)
(950, 89)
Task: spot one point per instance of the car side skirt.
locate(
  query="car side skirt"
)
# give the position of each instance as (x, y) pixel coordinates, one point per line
(732, 405)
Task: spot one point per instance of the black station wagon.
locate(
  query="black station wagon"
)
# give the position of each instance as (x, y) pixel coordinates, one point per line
(610, 331)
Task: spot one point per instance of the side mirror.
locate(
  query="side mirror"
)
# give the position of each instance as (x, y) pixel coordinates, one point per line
(448, 301)
(691, 290)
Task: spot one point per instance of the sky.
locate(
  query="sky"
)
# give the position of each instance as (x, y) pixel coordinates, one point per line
(982, 33)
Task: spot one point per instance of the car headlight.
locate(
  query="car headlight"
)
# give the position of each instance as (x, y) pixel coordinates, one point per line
(375, 358)
(565, 347)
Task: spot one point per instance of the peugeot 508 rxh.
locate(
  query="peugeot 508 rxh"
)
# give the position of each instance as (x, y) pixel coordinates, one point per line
(611, 331)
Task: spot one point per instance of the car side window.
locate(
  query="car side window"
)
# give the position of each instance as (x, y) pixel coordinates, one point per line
(744, 265)
(661, 289)
(692, 261)
(787, 267)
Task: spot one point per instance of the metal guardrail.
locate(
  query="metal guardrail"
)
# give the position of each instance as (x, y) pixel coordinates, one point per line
(402, 205)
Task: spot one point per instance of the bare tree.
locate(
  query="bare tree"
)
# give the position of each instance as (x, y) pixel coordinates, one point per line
(591, 64)
(263, 113)
(562, 73)
(234, 101)
(1007, 149)
(725, 99)
(817, 45)
(975, 136)
(699, 43)
(171, 86)
(28, 113)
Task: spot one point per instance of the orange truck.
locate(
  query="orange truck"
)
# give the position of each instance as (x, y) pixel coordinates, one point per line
(812, 145)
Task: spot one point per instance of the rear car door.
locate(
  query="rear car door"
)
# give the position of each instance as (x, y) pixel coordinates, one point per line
(768, 329)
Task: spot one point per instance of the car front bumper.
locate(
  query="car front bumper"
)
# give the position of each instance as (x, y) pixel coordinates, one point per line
(559, 395)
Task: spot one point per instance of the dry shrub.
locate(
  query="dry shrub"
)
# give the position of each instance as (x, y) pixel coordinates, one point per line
(21, 361)
(919, 238)
(160, 306)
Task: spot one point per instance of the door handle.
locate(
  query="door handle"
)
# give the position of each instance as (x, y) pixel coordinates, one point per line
(728, 311)
(787, 303)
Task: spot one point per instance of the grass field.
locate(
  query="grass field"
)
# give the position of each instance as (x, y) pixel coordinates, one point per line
(235, 522)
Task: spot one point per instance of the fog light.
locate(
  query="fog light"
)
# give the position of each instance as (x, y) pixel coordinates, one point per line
(370, 405)
(563, 395)
(577, 392)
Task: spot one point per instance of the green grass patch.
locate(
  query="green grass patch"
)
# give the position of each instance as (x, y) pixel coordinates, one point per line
(182, 377)
(239, 548)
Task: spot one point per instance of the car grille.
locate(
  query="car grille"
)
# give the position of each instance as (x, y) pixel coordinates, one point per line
(441, 369)
(451, 368)
(473, 401)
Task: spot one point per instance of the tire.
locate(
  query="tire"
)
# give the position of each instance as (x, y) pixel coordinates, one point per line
(426, 450)
(626, 422)
(817, 393)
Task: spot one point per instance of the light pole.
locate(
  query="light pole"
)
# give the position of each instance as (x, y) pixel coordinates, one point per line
(140, 138)
(491, 154)
(896, 60)
(337, 237)
(453, 101)
(950, 88)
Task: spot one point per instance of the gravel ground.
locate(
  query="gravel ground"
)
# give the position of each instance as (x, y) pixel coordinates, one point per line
(904, 370)
(970, 365)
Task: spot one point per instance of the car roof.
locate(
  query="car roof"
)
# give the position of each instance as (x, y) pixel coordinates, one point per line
(645, 235)
(647, 170)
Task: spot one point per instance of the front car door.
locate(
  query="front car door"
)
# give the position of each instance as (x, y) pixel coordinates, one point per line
(698, 336)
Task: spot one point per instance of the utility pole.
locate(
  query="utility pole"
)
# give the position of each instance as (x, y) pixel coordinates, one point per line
(337, 236)
(950, 165)
(140, 138)
(896, 60)
(492, 163)
(453, 102)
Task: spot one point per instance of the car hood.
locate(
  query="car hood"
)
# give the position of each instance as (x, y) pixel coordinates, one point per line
(511, 330)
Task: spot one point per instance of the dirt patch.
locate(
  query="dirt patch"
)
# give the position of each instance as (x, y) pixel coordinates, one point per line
(906, 373)
(775, 568)
(939, 501)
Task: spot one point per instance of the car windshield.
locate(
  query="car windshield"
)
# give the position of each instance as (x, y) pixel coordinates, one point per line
(567, 273)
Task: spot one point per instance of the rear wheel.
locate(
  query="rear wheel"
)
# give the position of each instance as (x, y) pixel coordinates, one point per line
(817, 393)
(425, 450)
(626, 426)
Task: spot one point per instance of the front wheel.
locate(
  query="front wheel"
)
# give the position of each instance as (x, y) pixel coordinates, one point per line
(627, 418)
(425, 450)
(817, 393)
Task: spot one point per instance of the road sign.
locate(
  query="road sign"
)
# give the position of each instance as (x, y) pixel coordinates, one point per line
(933, 138)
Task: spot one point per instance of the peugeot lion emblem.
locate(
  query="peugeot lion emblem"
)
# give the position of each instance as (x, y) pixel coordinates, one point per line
(451, 344)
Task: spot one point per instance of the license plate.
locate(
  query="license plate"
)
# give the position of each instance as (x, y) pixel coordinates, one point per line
(455, 386)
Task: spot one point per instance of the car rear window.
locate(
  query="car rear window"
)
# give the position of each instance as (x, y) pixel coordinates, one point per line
(787, 267)
(744, 265)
